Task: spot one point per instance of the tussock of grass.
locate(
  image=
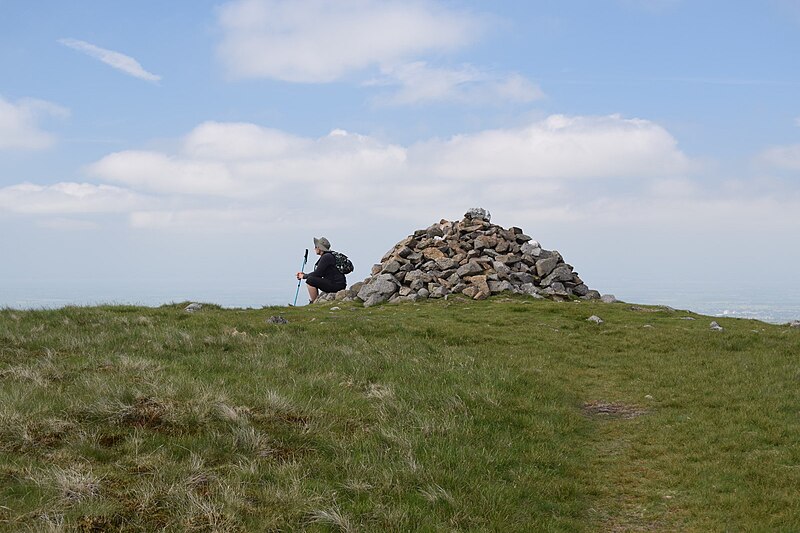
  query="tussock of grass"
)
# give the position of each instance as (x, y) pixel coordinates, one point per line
(508, 414)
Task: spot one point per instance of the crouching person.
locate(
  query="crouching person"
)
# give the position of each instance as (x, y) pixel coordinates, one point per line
(326, 276)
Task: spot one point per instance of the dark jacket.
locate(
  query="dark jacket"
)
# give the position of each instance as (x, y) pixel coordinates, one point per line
(325, 268)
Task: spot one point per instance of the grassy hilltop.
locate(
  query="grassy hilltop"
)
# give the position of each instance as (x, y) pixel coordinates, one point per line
(505, 415)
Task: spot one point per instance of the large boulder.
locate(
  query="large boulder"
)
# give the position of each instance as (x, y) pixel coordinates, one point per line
(378, 290)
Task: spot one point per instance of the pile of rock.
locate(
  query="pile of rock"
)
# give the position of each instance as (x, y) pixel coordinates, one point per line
(472, 257)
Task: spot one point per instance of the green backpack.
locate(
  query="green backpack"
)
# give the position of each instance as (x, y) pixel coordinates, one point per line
(344, 264)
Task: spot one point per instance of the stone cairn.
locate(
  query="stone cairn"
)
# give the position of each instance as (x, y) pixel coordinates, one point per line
(472, 257)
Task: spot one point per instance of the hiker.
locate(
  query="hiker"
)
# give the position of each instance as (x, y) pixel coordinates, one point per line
(326, 277)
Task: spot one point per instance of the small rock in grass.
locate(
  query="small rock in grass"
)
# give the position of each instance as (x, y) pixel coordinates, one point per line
(716, 327)
(647, 326)
(335, 308)
(277, 320)
(608, 299)
(794, 324)
(649, 397)
(191, 308)
(686, 318)
(596, 319)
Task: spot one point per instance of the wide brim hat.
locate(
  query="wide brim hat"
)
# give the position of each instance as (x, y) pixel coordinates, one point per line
(323, 244)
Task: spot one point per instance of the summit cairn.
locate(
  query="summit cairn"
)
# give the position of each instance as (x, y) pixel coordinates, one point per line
(472, 257)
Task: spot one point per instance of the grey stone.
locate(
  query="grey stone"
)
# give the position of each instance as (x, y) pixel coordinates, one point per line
(500, 286)
(558, 287)
(580, 290)
(391, 267)
(529, 247)
(375, 299)
(562, 272)
(545, 266)
(446, 263)
(485, 241)
(378, 289)
(193, 307)
(423, 293)
(596, 319)
(508, 259)
(276, 320)
(591, 295)
(478, 213)
(522, 277)
(470, 268)
(413, 276)
(434, 230)
(794, 324)
(716, 327)
(405, 252)
(355, 287)
(529, 289)
(503, 272)
(439, 292)
(608, 299)
(470, 291)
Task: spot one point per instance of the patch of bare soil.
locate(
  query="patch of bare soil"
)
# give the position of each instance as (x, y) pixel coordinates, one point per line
(600, 409)
(146, 412)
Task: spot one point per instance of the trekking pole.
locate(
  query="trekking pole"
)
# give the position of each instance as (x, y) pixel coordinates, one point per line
(299, 281)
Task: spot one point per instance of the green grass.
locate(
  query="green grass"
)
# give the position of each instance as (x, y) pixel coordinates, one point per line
(505, 415)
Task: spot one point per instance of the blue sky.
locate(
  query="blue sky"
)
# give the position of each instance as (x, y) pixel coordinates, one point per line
(210, 140)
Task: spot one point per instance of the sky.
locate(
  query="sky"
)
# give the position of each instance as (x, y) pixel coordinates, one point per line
(204, 143)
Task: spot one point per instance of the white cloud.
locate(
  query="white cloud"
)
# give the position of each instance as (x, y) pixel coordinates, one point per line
(119, 61)
(559, 147)
(67, 197)
(152, 171)
(785, 157)
(317, 41)
(421, 83)
(674, 188)
(243, 160)
(239, 174)
(19, 123)
(217, 220)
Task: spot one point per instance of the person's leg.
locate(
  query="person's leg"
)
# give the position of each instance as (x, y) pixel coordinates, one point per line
(314, 284)
(313, 292)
